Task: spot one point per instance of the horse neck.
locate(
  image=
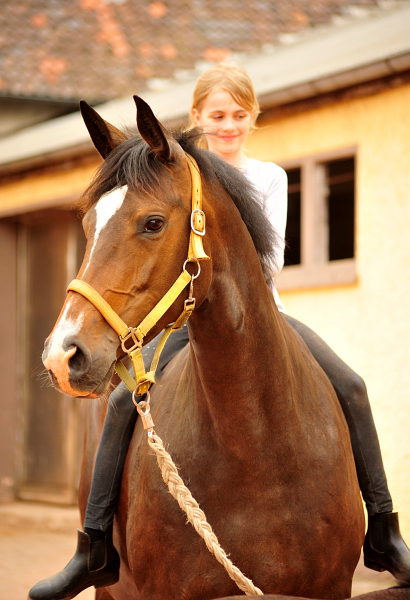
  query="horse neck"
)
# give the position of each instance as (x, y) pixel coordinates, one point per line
(238, 347)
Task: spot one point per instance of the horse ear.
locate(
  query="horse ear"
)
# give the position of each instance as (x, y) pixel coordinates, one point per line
(105, 137)
(152, 131)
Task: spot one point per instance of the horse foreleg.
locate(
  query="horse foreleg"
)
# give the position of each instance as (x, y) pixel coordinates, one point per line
(103, 594)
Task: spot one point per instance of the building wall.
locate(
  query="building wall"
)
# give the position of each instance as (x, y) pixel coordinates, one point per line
(9, 399)
(367, 323)
(51, 187)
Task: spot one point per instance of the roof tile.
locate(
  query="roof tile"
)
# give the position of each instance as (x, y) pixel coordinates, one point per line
(105, 49)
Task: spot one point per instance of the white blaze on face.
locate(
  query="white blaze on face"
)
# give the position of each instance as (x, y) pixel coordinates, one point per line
(105, 209)
(57, 358)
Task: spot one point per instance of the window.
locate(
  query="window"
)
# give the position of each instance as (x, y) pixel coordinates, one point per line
(320, 233)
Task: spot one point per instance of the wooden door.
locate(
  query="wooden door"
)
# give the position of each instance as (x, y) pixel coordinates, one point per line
(51, 245)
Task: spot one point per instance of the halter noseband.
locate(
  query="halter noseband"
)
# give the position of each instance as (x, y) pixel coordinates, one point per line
(135, 335)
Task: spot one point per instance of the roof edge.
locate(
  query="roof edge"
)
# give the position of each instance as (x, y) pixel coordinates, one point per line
(334, 60)
(337, 81)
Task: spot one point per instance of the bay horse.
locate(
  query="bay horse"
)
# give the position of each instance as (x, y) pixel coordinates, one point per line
(393, 593)
(248, 416)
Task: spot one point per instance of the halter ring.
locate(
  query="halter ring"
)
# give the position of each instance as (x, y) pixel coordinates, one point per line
(192, 260)
(142, 403)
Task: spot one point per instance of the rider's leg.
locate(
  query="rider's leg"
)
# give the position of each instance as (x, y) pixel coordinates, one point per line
(112, 450)
(116, 436)
(384, 548)
(96, 561)
(352, 395)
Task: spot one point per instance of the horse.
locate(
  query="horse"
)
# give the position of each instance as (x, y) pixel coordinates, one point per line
(246, 413)
(393, 593)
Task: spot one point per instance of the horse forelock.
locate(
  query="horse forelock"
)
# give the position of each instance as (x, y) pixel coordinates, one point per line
(134, 164)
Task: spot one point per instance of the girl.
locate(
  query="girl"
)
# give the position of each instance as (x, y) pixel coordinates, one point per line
(225, 108)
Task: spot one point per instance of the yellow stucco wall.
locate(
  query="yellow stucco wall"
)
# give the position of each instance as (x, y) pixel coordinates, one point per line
(46, 189)
(367, 324)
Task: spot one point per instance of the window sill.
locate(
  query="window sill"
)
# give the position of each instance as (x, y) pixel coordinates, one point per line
(337, 272)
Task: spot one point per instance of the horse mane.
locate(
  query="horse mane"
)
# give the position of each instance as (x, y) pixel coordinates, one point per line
(133, 163)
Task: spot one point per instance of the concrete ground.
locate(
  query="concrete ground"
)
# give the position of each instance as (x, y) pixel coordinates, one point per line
(38, 540)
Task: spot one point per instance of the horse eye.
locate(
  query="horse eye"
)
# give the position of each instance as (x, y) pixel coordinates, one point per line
(154, 225)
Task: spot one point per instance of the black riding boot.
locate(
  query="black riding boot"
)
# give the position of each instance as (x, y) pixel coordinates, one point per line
(94, 563)
(384, 548)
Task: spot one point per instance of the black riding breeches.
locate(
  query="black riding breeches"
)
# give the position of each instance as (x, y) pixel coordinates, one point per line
(352, 394)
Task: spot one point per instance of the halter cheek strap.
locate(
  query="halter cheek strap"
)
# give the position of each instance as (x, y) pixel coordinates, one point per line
(131, 338)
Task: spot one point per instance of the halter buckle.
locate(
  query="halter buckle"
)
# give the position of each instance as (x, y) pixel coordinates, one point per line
(198, 221)
(189, 305)
(125, 338)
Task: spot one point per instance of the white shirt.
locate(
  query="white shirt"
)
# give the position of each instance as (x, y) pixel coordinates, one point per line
(272, 183)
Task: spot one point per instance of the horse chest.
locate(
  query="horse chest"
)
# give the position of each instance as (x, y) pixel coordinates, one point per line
(249, 518)
(259, 502)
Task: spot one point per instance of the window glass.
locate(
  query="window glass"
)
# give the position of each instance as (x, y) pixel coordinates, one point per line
(340, 205)
(293, 228)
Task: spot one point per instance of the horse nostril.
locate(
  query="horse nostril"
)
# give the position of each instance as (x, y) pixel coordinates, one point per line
(77, 361)
(80, 361)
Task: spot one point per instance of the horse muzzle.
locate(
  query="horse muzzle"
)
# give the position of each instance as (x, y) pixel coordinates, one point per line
(74, 371)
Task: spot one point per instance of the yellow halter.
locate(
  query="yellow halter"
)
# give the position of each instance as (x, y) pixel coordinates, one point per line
(135, 335)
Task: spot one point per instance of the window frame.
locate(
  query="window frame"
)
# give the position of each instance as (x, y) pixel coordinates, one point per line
(315, 269)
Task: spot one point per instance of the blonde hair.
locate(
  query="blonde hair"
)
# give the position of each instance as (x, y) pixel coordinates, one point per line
(232, 78)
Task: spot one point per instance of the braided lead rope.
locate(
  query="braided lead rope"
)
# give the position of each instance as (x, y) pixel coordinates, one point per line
(196, 516)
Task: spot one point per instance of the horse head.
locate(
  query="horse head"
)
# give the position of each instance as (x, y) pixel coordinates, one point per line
(137, 224)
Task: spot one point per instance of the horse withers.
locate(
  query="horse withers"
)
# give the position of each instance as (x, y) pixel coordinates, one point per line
(248, 416)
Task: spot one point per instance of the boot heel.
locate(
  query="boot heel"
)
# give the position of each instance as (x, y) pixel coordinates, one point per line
(107, 580)
(370, 564)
